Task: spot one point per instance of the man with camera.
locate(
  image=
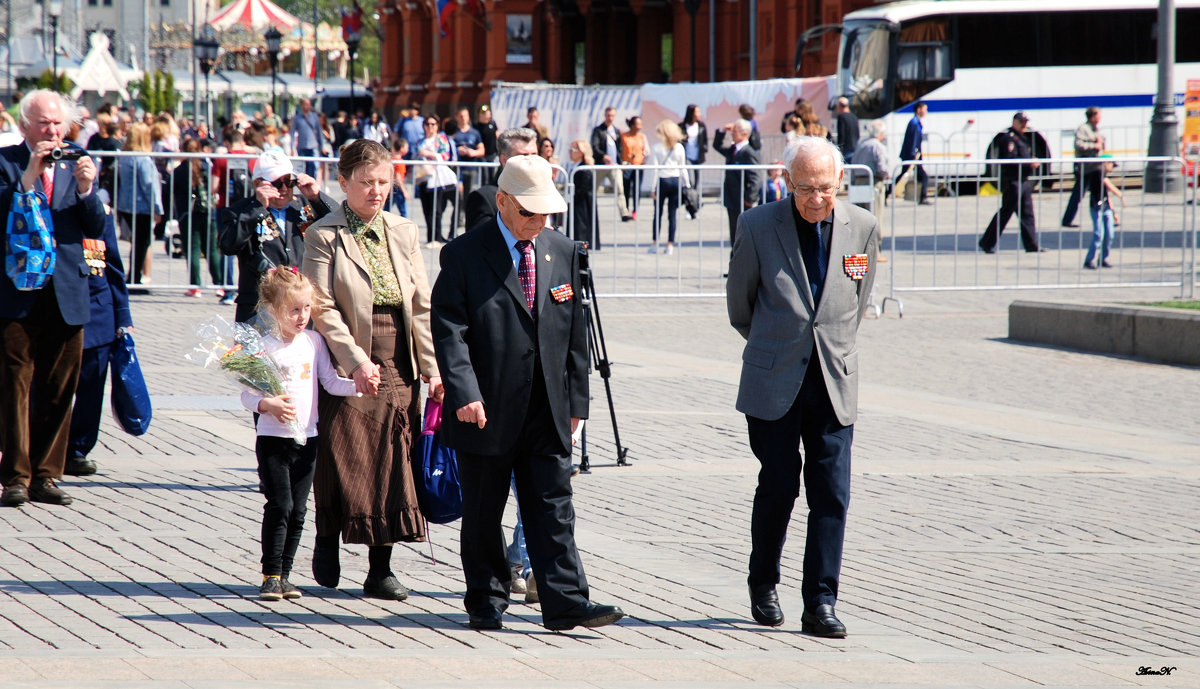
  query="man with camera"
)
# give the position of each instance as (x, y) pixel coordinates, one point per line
(41, 330)
(267, 230)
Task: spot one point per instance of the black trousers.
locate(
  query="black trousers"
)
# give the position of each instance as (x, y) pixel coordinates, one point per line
(433, 205)
(1083, 183)
(919, 173)
(1016, 197)
(142, 229)
(542, 469)
(812, 424)
(89, 400)
(734, 214)
(285, 469)
(39, 369)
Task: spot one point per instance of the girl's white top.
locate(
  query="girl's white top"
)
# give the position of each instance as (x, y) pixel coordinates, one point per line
(304, 362)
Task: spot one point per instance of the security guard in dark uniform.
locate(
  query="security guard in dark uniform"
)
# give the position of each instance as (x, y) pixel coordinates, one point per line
(1016, 187)
(109, 302)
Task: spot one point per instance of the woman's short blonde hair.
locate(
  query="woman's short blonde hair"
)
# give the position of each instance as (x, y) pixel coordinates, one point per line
(138, 138)
(586, 149)
(669, 132)
(361, 153)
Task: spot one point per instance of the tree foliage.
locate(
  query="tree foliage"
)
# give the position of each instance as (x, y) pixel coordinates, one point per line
(157, 91)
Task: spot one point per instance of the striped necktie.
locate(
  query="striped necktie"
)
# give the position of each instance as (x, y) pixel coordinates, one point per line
(527, 274)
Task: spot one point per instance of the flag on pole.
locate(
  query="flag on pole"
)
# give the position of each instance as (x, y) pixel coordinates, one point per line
(445, 9)
(352, 22)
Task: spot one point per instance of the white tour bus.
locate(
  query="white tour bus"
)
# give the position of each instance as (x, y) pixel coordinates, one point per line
(977, 62)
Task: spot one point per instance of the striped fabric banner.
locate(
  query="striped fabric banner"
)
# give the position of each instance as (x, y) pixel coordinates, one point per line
(567, 112)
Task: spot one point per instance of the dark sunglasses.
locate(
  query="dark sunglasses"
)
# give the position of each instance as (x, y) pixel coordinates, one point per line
(285, 183)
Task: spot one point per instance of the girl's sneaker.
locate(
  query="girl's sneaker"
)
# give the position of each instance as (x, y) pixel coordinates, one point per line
(289, 589)
(271, 589)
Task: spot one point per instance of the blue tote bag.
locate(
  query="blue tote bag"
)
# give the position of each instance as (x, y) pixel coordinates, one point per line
(439, 492)
(30, 259)
(130, 399)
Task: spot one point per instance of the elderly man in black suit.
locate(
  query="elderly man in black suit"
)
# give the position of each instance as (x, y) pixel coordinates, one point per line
(742, 187)
(799, 282)
(510, 337)
(41, 330)
(481, 202)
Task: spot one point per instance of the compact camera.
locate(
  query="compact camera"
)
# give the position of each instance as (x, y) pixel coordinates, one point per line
(65, 153)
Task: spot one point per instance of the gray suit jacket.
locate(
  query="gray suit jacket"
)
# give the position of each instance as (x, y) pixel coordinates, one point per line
(771, 305)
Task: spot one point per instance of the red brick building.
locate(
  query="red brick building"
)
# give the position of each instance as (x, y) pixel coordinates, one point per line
(591, 42)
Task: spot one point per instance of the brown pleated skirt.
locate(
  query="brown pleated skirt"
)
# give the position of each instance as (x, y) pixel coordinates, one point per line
(363, 484)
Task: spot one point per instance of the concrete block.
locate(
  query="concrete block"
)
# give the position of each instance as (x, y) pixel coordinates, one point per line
(1155, 334)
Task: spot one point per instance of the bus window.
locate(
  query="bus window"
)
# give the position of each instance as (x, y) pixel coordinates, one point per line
(864, 68)
(922, 60)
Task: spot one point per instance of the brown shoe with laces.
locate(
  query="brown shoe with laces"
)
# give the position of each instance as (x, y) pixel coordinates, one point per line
(44, 490)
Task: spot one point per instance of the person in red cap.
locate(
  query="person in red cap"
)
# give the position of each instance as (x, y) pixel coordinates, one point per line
(511, 341)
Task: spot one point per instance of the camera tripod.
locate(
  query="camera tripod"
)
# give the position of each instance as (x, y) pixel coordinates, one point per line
(599, 355)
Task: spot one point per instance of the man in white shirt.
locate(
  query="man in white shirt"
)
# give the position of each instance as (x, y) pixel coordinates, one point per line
(606, 143)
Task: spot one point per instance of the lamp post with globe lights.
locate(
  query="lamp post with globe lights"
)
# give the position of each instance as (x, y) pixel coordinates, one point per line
(207, 51)
(55, 8)
(273, 37)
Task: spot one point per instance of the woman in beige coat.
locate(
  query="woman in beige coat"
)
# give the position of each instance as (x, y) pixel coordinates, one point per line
(371, 304)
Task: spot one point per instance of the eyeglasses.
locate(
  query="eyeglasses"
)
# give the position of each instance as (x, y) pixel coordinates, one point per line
(808, 190)
(285, 183)
(521, 211)
(431, 124)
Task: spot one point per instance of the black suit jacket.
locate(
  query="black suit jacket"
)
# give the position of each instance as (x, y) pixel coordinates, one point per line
(487, 343)
(239, 237)
(740, 185)
(701, 138)
(600, 145)
(73, 218)
(481, 205)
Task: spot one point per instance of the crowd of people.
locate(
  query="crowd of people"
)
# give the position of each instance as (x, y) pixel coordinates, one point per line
(499, 338)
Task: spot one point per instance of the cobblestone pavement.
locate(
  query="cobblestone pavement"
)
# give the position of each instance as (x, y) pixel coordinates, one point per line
(1022, 516)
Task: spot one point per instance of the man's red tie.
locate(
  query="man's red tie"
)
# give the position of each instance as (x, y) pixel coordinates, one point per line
(48, 183)
(527, 274)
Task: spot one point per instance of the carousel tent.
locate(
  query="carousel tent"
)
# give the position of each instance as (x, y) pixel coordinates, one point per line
(99, 72)
(254, 15)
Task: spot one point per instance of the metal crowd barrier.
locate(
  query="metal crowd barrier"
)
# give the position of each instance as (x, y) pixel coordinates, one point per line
(930, 247)
(938, 246)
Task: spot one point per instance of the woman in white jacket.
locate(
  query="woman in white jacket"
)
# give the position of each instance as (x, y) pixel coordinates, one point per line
(670, 181)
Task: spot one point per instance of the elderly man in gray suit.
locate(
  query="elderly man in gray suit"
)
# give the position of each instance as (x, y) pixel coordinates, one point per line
(799, 280)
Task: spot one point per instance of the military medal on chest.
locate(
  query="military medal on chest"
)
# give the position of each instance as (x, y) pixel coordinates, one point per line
(93, 255)
(268, 229)
(855, 265)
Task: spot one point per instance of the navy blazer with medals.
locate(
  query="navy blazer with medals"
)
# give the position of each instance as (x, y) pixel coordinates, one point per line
(487, 346)
(73, 218)
(238, 236)
(108, 295)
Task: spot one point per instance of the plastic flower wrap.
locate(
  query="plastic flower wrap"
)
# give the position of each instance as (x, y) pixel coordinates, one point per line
(238, 350)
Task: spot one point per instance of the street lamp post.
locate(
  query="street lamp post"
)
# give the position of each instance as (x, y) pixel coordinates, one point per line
(273, 37)
(352, 46)
(54, 8)
(207, 51)
(1164, 133)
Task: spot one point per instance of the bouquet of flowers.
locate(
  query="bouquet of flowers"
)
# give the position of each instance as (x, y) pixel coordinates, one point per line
(239, 351)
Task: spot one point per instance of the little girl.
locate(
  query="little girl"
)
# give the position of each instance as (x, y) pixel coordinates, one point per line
(285, 467)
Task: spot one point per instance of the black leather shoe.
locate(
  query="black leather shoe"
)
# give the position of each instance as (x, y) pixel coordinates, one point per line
(764, 605)
(326, 568)
(1070, 224)
(44, 490)
(1035, 251)
(486, 620)
(79, 466)
(589, 615)
(821, 621)
(15, 495)
(987, 250)
(387, 588)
